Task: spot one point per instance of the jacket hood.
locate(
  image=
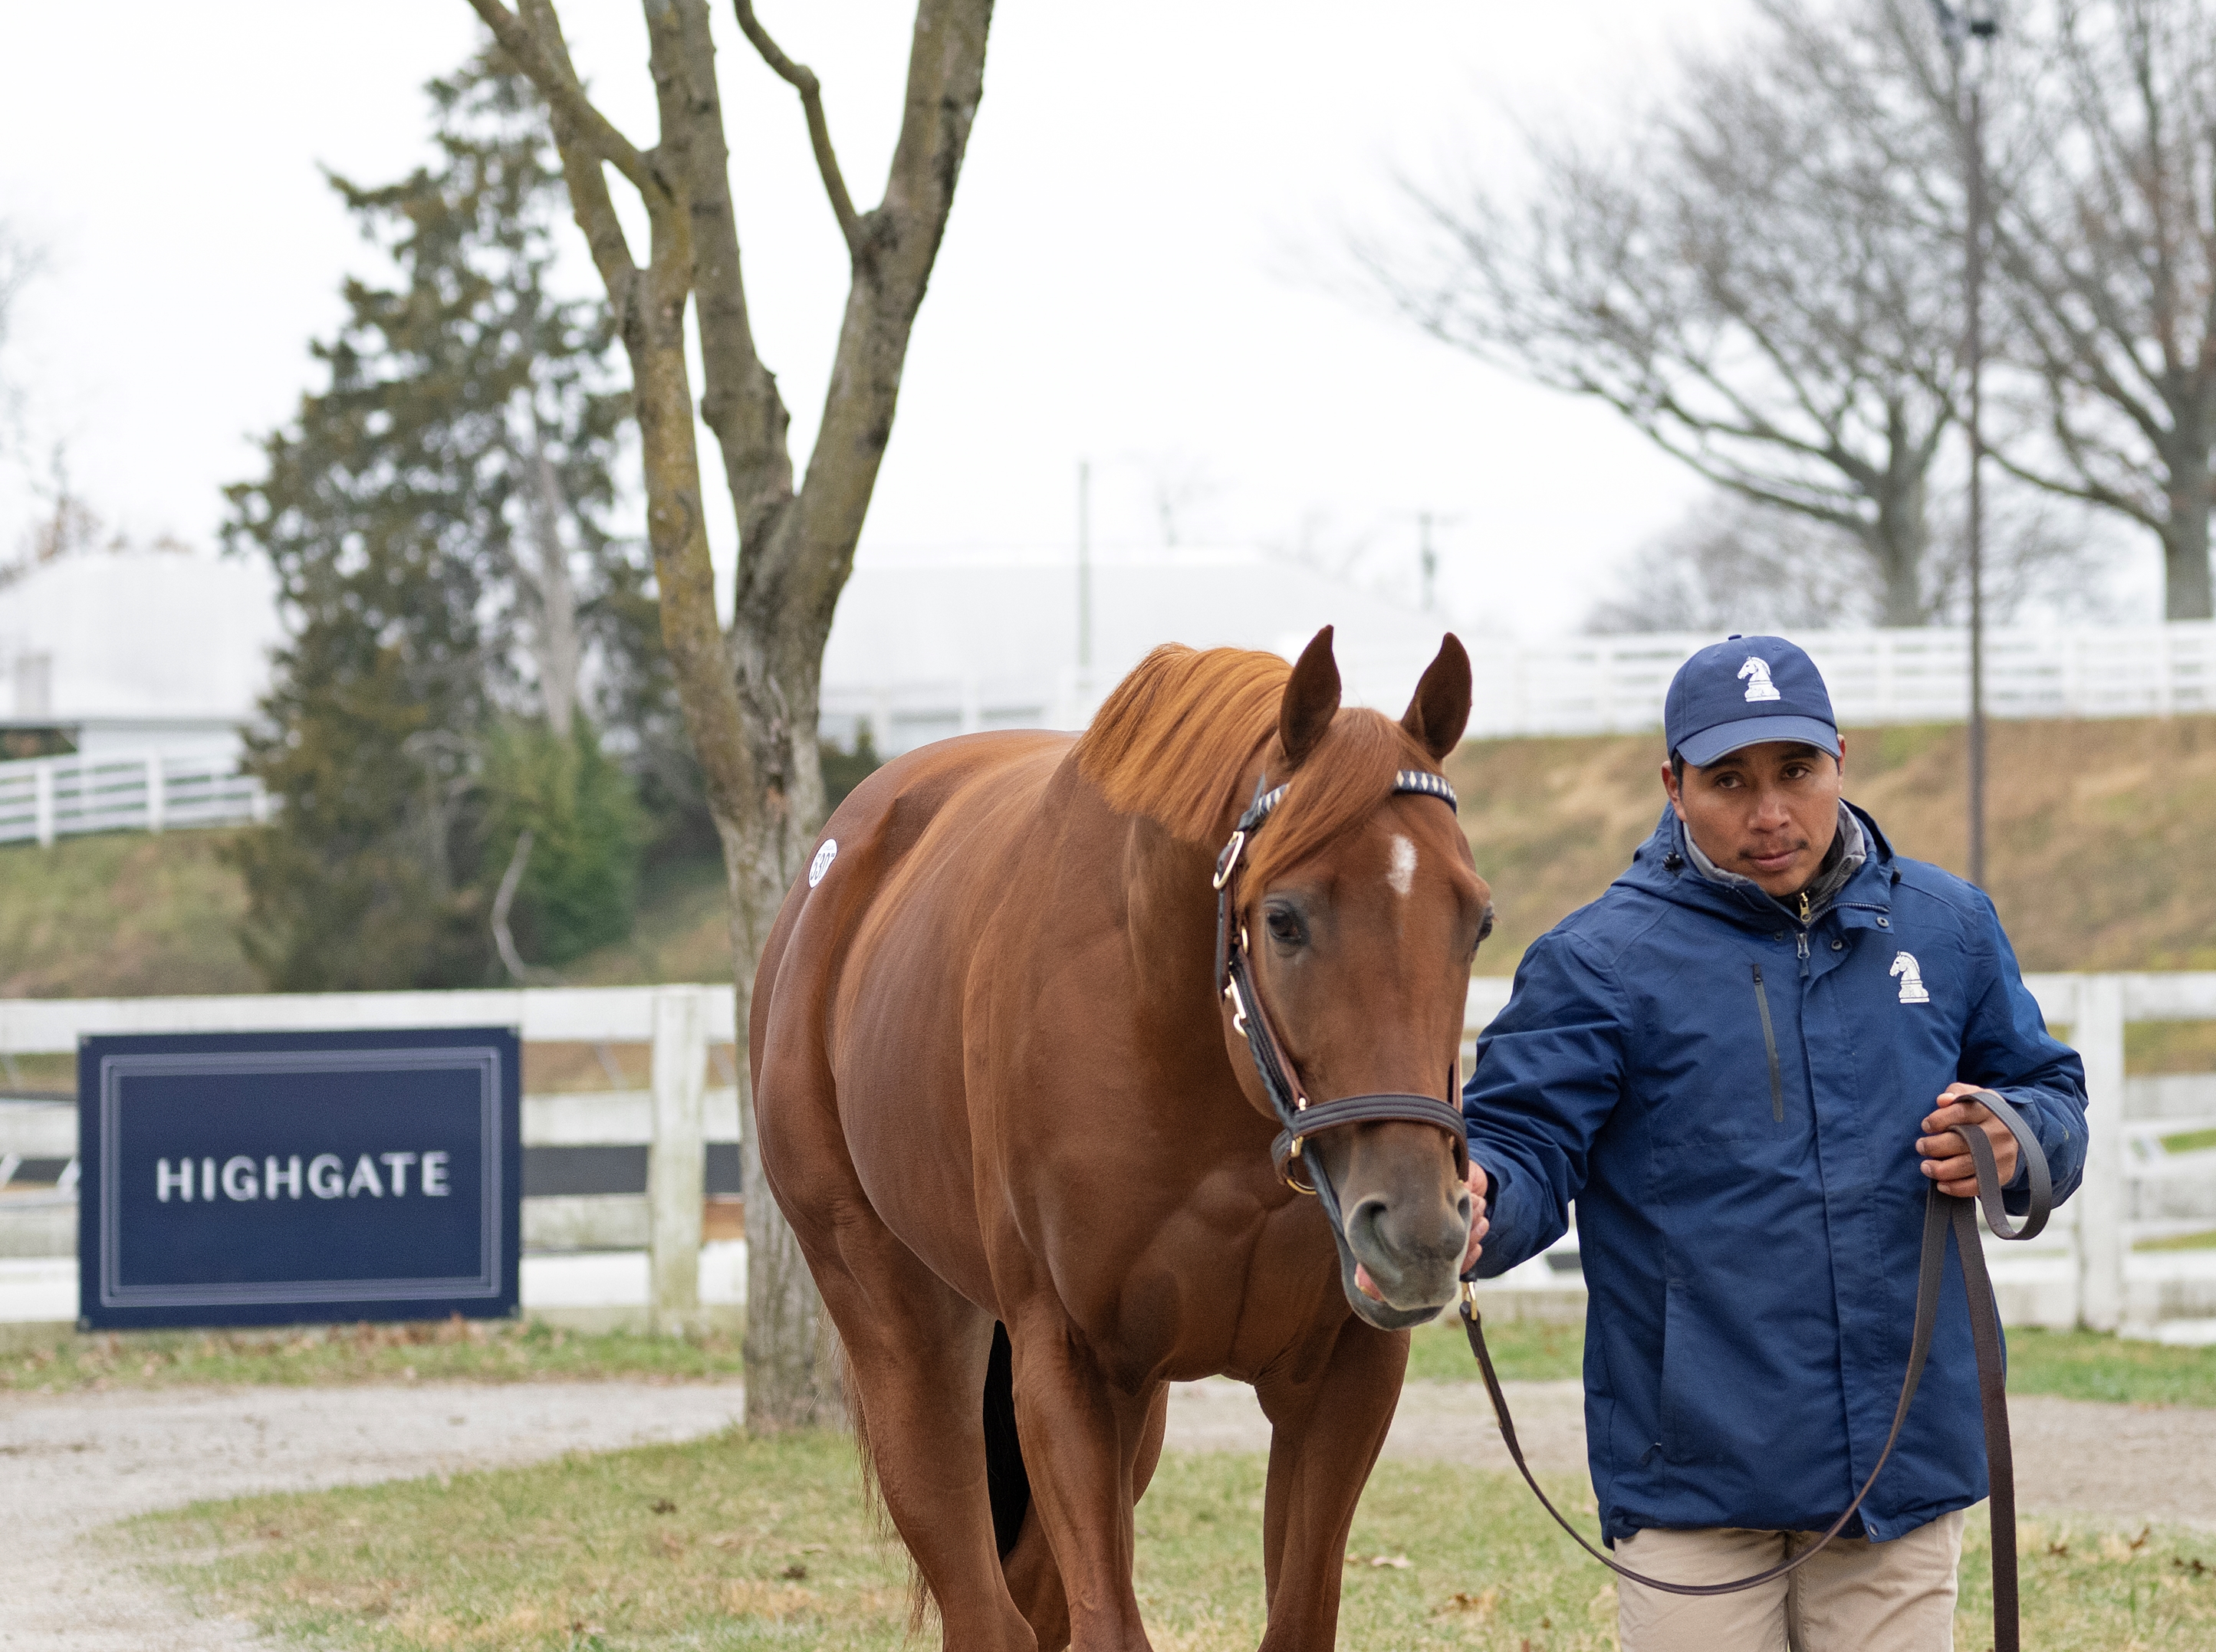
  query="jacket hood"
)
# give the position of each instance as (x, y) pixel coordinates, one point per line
(1663, 866)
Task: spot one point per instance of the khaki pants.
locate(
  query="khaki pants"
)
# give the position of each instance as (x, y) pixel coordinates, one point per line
(1856, 1596)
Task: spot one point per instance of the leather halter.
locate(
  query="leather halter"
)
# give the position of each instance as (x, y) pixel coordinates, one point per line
(1298, 1117)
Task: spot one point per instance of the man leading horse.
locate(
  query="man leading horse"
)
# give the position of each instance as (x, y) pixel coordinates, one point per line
(1746, 1062)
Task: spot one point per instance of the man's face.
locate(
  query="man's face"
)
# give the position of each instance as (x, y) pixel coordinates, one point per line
(1768, 812)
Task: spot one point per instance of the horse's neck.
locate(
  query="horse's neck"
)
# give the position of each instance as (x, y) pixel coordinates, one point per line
(1170, 917)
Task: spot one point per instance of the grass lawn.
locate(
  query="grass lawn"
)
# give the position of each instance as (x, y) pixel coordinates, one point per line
(728, 1543)
(2204, 1240)
(2074, 1364)
(293, 1356)
(122, 913)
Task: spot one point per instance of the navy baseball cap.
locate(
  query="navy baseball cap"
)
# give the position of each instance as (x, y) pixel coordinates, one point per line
(1744, 691)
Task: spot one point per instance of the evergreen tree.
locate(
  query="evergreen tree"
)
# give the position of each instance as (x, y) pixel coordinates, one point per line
(437, 517)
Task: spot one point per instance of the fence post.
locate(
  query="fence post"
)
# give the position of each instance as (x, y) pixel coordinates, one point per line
(676, 1164)
(157, 802)
(42, 802)
(2098, 1034)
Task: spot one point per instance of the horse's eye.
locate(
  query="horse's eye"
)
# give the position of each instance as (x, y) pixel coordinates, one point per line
(1484, 929)
(1286, 929)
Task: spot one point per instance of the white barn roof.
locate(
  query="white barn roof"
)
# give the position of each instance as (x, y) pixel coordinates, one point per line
(926, 644)
(138, 634)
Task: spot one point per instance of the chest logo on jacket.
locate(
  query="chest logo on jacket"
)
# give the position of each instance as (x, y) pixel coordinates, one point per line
(1755, 674)
(1912, 978)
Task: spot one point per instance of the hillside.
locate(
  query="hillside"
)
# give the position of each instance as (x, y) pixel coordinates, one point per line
(2100, 848)
(2098, 832)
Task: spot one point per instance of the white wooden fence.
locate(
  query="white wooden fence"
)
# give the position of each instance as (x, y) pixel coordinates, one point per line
(47, 797)
(1601, 684)
(673, 1117)
(2084, 1271)
(1614, 684)
(1567, 685)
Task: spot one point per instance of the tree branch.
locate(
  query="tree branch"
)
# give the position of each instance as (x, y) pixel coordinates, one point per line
(802, 80)
(590, 204)
(551, 73)
(2090, 492)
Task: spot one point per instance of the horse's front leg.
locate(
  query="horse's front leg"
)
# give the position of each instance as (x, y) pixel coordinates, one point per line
(1082, 1440)
(1325, 1437)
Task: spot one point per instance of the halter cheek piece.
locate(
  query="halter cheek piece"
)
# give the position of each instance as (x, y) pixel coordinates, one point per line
(1298, 1118)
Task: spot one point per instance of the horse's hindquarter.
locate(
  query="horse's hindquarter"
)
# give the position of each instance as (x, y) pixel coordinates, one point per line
(863, 1073)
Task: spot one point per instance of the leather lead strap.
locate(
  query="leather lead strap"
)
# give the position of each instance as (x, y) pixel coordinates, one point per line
(1942, 1214)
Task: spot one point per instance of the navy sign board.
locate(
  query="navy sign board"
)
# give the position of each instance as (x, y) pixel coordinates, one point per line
(272, 1178)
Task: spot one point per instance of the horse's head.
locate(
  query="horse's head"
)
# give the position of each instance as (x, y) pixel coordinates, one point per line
(1361, 910)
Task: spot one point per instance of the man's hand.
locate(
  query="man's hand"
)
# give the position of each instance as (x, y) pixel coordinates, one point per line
(1479, 1186)
(1947, 1157)
(1477, 1227)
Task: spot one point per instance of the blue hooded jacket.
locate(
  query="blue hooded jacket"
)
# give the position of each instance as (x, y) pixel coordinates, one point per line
(1733, 1098)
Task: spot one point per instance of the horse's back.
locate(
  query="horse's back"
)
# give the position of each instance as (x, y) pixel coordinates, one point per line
(856, 1034)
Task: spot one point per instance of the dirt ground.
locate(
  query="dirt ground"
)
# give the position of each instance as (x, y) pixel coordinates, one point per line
(72, 1463)
(2125, 1463)
(76, 1462)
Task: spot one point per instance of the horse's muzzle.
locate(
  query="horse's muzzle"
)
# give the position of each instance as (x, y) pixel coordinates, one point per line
(1412, 1251)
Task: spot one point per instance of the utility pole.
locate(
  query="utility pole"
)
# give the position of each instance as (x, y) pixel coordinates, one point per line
(1969, 32)
(1084, 576)
(1427, 555)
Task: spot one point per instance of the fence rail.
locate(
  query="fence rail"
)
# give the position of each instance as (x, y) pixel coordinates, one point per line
(680, 1112)
(2145, 1175)
(48, 797)
(1614, 684)
(1611, 684)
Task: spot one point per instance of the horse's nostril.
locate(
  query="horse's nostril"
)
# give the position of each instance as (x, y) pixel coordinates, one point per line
(1363, 1227)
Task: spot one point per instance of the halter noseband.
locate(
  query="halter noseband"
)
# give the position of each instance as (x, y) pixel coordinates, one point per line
(1297, 1118)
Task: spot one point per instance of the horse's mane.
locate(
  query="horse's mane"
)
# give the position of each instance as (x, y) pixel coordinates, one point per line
(1174, 739)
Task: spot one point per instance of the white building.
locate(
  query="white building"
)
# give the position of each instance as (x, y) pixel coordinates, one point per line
(145, 654)
(929, 644)
(137, 652)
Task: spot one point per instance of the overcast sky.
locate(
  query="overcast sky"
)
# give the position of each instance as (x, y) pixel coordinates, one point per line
(1127, 277)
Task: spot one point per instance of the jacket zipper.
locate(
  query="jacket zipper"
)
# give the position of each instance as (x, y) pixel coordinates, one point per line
(1804, 955)
(1769, 1041)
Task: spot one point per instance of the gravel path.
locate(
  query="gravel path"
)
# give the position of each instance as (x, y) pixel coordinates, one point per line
(72, 1463)
(2114, 1463)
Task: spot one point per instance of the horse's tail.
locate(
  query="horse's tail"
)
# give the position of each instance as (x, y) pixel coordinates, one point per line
(1007, 1481)
(873, 1493)
(1006, 1478)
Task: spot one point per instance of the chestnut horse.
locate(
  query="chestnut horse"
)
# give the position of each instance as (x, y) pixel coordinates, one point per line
(1026, 1145)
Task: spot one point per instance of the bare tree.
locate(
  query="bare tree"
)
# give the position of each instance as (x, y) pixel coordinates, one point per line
(751, 691)
(2105, 241)
(1751, 274)
(19, 262)
(548, 590)
(1732, 565)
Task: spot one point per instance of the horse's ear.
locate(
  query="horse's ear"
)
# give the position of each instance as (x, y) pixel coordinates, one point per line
(1440, 711)
(1311, 699)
